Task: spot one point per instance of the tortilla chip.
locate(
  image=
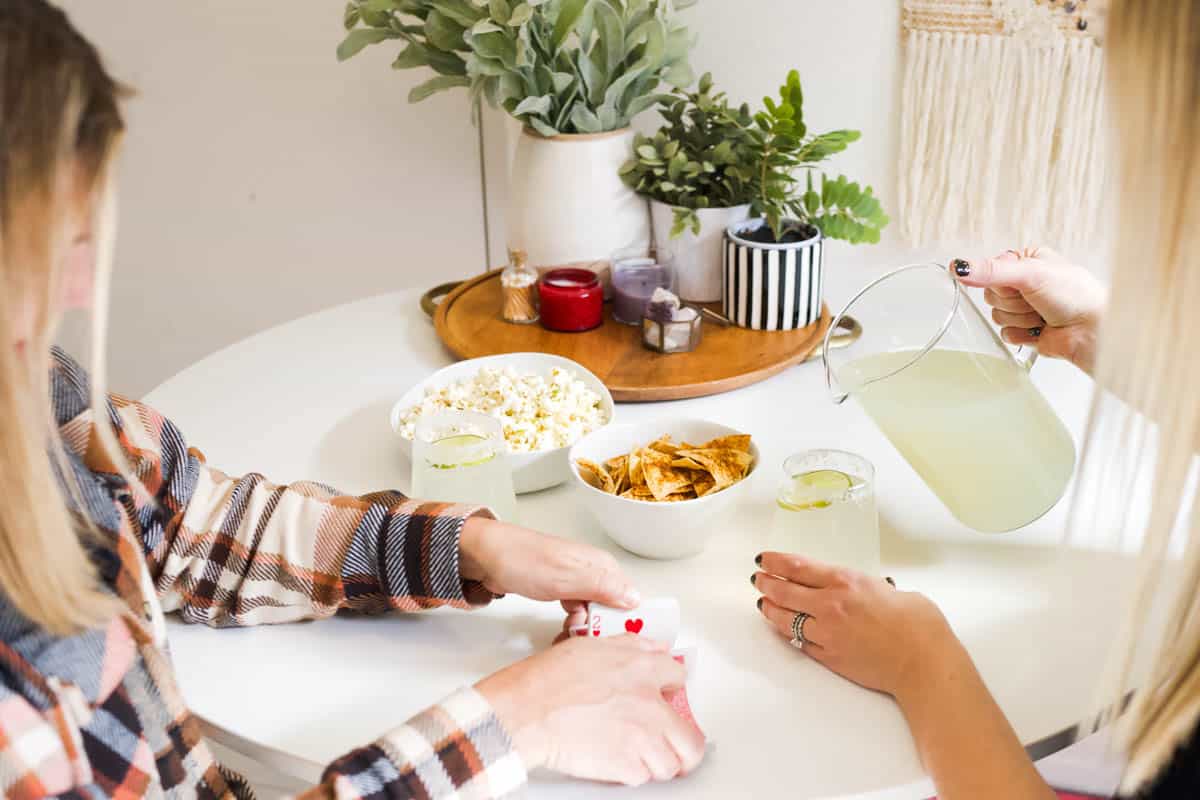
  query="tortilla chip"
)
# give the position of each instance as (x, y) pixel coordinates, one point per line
(737, 441)
(637, 475)
(618, 468)
(726, 466)
(664, 445)
(595, 475)
(662, 478)
(639, 493)
(703, 483)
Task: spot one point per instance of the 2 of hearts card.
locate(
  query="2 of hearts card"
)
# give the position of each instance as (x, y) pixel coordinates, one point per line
(656, 619)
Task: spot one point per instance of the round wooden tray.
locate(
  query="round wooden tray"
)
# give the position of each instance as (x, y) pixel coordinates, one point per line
(469, 323)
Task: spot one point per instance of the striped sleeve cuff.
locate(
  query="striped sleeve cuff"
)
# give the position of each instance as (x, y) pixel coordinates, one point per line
(455, 749)
(416, 557)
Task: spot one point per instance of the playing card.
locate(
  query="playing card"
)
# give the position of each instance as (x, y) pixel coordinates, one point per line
(678, 699)
(656, 619)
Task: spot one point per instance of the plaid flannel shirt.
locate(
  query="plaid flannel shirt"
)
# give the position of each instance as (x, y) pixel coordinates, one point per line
(99, 714)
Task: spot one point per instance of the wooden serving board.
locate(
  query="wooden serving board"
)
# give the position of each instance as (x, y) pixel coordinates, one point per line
(469, 323)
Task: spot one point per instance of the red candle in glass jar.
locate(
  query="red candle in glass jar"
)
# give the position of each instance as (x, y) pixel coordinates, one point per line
(572, 300)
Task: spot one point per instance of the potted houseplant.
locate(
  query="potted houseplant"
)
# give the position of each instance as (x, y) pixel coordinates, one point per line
(770, 264)
(698, 172)
(574, 73)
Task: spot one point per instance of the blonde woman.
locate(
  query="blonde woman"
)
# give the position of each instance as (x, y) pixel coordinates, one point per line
(106, 512)
(898, 642)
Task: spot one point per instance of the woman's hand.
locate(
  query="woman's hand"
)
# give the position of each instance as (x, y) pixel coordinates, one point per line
(860, 627)
(509, 559)
(594, 709)
(1038, 297)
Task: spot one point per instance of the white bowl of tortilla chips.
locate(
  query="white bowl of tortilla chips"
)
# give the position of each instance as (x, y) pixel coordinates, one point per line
(659, 489)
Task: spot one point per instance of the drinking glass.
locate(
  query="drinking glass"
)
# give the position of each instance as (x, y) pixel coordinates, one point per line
(825, 509)
(461, 457)
(953, 399)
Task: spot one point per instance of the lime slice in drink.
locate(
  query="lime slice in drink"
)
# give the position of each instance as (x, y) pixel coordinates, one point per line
(458, 451)
(818, 489)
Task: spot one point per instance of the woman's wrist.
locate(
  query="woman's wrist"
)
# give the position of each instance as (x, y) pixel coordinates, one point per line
(939, 657)
(515, 712)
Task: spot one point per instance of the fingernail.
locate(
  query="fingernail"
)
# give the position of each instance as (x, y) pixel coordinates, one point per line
(1035, 332)
(758, 559)
(759, 604)
(633, 598)
(753, 578)
(961, 268)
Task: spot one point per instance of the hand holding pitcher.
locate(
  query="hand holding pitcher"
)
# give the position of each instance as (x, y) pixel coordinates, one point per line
(1039, 297)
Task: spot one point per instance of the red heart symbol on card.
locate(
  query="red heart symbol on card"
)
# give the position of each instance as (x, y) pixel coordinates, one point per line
(633, 625)
(595, 631)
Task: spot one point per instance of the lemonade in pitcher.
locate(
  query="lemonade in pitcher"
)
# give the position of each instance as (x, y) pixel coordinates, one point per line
(973, 427)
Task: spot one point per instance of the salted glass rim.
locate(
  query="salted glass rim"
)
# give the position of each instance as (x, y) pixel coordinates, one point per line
(867, 467)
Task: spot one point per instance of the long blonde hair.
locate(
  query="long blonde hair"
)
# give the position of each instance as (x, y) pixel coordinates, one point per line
(60, 125)
(1145, 424)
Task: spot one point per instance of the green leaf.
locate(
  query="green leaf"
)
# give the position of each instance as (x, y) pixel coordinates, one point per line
(533, 105)
(443, 32)
(681, 223)
(410, 57)
(435, 85)
(461, 11)
(569, 13)
(585, 120)
(497, 46)
(541, 127)
(499, 10)
(647, 151)
(521, 14)
(359, 38)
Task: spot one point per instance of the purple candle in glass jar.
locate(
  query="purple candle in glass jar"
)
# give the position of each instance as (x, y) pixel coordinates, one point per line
(634, 281)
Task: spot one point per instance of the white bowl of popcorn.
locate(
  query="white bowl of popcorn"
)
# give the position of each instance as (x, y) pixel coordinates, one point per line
(545, 403)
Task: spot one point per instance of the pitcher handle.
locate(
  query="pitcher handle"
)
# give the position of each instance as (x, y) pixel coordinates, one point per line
(1026, 356)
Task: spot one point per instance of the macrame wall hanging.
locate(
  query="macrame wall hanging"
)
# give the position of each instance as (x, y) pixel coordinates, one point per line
(1003, 126)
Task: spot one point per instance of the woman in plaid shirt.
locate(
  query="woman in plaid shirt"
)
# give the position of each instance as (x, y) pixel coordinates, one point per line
(123, 521)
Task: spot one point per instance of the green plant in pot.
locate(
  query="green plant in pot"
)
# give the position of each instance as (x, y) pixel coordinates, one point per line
(710, 155)
(574, 73)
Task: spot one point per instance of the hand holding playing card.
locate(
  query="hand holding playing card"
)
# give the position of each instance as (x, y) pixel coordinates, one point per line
(596, 709)
(507, 559)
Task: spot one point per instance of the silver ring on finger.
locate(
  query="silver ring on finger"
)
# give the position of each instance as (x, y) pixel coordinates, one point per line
(798, 621)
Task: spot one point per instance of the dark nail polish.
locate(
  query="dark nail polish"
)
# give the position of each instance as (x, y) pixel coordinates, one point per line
(1035, 332)
(758, 559)
(753, 578)
(759, 604)
(961, 268)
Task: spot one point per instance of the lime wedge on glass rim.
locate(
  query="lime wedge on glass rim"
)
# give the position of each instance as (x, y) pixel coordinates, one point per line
(465, 446)
(817, 489)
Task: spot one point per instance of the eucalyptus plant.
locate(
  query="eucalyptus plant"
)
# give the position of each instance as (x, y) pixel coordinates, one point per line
(709, 154)
(558, 66)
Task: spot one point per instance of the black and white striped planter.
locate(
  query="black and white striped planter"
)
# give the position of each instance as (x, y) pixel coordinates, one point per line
(771, 287)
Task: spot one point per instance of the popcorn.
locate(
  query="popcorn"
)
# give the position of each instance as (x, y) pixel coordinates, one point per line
(537, 413)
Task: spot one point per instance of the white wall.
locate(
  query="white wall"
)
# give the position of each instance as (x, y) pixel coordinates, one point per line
(849, 57)
(262, 180)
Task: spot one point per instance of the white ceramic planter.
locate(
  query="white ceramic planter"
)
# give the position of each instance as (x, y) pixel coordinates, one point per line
(567, 203)
(697, 258)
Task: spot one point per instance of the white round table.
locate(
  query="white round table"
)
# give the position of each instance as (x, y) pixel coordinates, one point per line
(310, 399)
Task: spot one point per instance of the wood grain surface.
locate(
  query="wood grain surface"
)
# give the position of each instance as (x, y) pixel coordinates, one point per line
(469, 323)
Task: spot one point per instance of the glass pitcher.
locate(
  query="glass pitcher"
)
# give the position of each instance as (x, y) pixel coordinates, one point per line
(953, 399)
(461, 457)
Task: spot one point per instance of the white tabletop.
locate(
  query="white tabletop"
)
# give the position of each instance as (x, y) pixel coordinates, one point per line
(310, 399)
